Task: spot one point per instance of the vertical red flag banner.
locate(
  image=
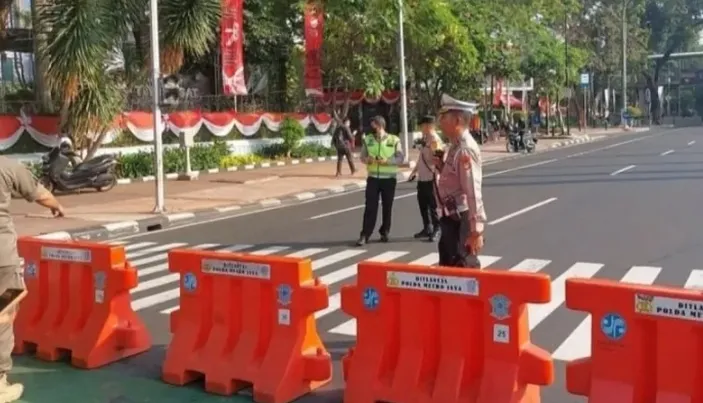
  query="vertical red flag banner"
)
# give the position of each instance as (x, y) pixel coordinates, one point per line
(314, 29)
(232, 47)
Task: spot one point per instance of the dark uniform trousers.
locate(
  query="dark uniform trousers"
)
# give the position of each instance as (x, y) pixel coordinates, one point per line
(452, 248)
(428, 205)
(345, 152)
(383, 189)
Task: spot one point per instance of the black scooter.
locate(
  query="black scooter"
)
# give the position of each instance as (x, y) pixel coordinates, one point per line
(97, 173)
(520, 141)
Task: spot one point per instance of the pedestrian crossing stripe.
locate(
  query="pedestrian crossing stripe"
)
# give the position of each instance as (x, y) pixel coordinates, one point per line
(158, 289)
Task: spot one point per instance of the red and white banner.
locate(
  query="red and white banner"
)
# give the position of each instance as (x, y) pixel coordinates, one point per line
(44, 129)
(314, 29)
(232, 47)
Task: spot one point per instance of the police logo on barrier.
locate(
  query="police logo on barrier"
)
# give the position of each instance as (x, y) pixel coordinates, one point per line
(31, 270)
(99, 280)
(391, 279)
(371, 298)
(644, 303)
(285, 293)
(190, 282)
(500, 307)
(613, 326)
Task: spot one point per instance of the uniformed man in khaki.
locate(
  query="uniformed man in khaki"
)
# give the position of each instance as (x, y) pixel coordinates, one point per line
(15, 179)
(459, 196)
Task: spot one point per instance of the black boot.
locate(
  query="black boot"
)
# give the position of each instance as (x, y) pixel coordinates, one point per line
(434, 237)
(362, 241)
(422, 234)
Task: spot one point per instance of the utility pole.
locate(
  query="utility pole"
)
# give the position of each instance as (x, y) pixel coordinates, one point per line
(158, 124)
(566, 73)
(403, 91)
(624, 57)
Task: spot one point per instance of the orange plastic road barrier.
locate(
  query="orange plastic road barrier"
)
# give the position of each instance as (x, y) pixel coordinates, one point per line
(444, 335)
(78, 302)
(646, 343)
(245, 321)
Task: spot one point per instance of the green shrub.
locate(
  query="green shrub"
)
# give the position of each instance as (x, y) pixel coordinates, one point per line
(305, 150)
(202, 157)
(240, 160)
(292, 133)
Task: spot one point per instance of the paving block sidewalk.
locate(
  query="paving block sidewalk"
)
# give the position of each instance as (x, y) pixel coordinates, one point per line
(128, 209)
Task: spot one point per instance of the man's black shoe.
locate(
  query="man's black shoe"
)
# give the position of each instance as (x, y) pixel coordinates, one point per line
(421, 234)
(384, 238)
(362, 241)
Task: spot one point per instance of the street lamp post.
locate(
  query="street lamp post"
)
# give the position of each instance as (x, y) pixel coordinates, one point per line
(403, 91)
(158, 124)
(566, 74)
(624, 56)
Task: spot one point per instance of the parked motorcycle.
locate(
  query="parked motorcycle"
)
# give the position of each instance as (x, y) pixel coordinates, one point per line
(520, 141)
(97, 173)
(480, 136)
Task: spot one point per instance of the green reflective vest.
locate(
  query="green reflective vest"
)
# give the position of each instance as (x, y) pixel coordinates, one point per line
(385, 149)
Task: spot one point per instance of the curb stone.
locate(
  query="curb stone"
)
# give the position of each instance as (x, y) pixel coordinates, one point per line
(261, 165)
(123, 228)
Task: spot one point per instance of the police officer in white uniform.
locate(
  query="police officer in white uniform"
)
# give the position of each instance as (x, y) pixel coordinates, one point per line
(459, 194)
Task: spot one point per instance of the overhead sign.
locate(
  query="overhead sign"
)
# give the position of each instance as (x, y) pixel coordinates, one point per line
(585, 79)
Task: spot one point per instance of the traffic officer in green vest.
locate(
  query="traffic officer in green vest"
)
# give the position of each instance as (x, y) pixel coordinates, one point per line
(382, 154)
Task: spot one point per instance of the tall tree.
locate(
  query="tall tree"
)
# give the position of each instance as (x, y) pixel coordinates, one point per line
(440, 54)
(359, 48)
(673, 26)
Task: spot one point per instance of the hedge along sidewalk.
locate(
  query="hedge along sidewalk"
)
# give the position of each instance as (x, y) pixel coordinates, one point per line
(260, 165)
(127, 209)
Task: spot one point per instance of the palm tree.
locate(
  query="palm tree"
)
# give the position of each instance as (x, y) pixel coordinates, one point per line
(86, 38)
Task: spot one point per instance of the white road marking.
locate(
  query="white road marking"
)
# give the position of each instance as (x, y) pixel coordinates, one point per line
(138, 245)
(155, 249)
(427, 260)
(695, 280)
(619, 171)
(690, 143)
(269, 251)
(531, 265)
(487, 260)
(666, 152)
(578, 344)
(413, 194)
(539, 312)
(307, 252)
(522, 211)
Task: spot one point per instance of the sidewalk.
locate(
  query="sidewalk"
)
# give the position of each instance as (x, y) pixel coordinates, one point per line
(212, 194)
(61, 383)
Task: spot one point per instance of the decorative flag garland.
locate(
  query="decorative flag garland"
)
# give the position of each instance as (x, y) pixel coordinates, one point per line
(44, 129)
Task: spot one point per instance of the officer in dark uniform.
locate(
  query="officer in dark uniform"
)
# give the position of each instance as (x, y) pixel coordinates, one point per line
(425, 173)
(382, 155)
(459, 194)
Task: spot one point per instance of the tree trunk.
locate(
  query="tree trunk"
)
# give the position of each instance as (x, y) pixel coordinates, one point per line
(41, 91)
(94, 145)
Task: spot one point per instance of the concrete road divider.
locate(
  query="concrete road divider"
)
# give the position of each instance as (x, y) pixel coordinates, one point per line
(78, 301)
(646, 343)
(247, 320)
(444, 335)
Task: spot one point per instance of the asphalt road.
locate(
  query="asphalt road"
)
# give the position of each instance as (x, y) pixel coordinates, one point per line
(626, 208)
